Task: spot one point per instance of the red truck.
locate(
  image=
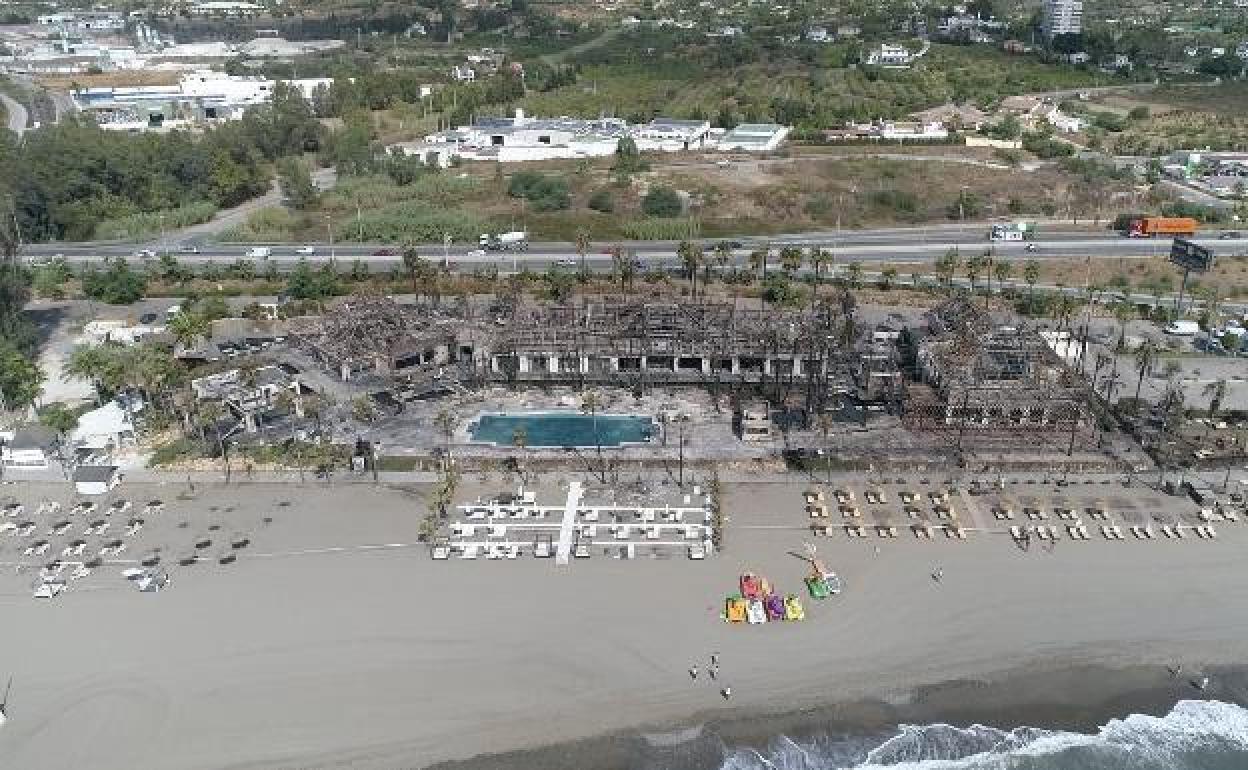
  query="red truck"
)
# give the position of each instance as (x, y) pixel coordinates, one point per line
(1152, 227)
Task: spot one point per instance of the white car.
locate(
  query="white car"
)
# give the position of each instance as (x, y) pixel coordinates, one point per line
(306, 250)
(568, 262)
(145, 254)
(49, 589)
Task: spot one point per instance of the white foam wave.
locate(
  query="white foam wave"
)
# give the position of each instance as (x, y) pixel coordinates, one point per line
(1136, 741)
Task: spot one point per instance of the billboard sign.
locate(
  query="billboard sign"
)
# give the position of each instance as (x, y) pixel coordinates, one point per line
(1191, 256)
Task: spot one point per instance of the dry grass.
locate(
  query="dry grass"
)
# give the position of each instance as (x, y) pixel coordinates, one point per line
(109, 79)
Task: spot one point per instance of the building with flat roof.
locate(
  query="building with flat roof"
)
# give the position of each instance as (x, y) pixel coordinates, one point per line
(1062, 17)
(754, 137)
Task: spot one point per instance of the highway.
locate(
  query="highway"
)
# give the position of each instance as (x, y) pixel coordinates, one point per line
(16, 114)
(896, 245)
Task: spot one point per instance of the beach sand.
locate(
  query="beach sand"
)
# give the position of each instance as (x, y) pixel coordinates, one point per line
(378, 657)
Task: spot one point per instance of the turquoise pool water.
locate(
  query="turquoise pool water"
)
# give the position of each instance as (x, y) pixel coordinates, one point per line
(563, 429)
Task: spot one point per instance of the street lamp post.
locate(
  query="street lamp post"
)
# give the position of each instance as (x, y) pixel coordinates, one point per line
(329, 233)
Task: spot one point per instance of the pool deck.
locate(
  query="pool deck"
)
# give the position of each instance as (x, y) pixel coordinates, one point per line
(563, 550)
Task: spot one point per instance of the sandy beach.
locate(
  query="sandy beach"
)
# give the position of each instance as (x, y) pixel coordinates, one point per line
(334, 641)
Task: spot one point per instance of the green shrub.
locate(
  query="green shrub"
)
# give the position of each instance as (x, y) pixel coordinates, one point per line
(602, 201)
(662, 201)
(149, 222)
(544, 193)
(413, 220)
(660, 229)
(117, 285)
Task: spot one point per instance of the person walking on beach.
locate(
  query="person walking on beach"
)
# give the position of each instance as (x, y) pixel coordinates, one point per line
(693, 672)
(713, 671)
(938, 573)
(714, 658)
(726, 693)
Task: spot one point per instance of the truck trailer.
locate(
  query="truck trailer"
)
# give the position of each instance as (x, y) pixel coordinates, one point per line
(1020, 231)
(516, 240)
(1153, 227)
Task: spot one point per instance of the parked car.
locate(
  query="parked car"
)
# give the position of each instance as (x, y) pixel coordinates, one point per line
(147, 319)
(306, 250)
(385, 253)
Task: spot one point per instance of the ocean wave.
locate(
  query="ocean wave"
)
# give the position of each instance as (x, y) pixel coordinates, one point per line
(1195, 735)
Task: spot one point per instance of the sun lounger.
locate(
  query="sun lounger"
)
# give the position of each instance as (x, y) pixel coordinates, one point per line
(696, 552)
(1230, 515)
(1178, 531)
(1211, 533)
(1206, 514)
(470, 552)
(1167, 530)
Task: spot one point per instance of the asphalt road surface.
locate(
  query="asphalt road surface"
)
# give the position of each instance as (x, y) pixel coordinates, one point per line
(866, 246)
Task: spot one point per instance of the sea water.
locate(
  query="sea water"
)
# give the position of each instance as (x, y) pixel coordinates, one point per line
(1195, 735)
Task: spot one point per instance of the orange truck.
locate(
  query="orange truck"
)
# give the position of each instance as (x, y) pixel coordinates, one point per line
(1152, 227)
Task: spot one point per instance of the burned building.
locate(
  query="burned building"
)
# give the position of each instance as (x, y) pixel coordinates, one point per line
(977, 376)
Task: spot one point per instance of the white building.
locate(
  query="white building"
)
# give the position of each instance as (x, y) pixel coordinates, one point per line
(889, 55)
(96, 479)
(1062, 17)
(525, 138)
(463, 73)
(225, 8)
(205, 94)
(106, 428)
(1067, 124)
(26, 448)
(754, 137)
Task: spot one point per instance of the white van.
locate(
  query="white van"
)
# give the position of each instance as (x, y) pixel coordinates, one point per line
(1182, 328)
(259, 252)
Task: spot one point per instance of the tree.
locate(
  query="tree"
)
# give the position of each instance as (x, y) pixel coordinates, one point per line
(1145, 356)
(691, 258)
(1216, 391)
(296, 183)
(590, 404)
(946, 266)
(628, 158)
(1002, 269)
(758, 261)
(791, 259)
(93, 364)
(187, 326)
(582, 248)
(21, 381)
(58, 418)
(887, 276)
(117, 285)
(974, 267)
(419, 270)
(662, 201)
(1031, 274)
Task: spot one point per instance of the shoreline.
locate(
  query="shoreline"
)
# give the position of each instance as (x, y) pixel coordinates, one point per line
(1079, 698)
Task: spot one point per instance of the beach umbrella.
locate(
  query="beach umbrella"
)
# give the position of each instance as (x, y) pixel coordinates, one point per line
(150, 559)
(98, 523)
(114, 543)
(93, 562)
(120, 504)
(77, 542)
(155, 503)
(187, 558)
(227, 557)
(136, 521)
(203, 541)
(239, 540)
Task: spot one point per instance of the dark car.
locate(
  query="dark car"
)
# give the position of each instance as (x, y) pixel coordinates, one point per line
(729, 245)
(148, 318)
(385, 253)
(1227, 235)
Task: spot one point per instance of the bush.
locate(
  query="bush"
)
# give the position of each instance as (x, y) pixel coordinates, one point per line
(602, 201)
(659, 229)
(544, 193)
(1046, 147)
(149, 223)
(118, 285)
(896, 200)
(413, 220)
(662, 201)
(273, 223)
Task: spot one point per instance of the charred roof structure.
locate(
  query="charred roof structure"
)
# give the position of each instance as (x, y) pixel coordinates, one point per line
(992, 380)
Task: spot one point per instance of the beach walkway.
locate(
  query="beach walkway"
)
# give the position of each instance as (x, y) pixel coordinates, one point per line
(564, 548)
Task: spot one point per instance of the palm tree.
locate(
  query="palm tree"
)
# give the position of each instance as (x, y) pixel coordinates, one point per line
(758, 261)
(974, 266)
(855, 274)
(1145, 356)
(946, 266)
(187, 326)
(210, 414)
(1031, 274)
(1122, 312)
(690, 255)
(1002, 269)
(887, 276)
(582, 248)
(723, 254)
(791, 259)
(445, 421)
(590, 404)
(1217, 392)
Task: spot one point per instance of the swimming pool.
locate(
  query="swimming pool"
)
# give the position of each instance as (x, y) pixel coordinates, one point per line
(562, 429)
